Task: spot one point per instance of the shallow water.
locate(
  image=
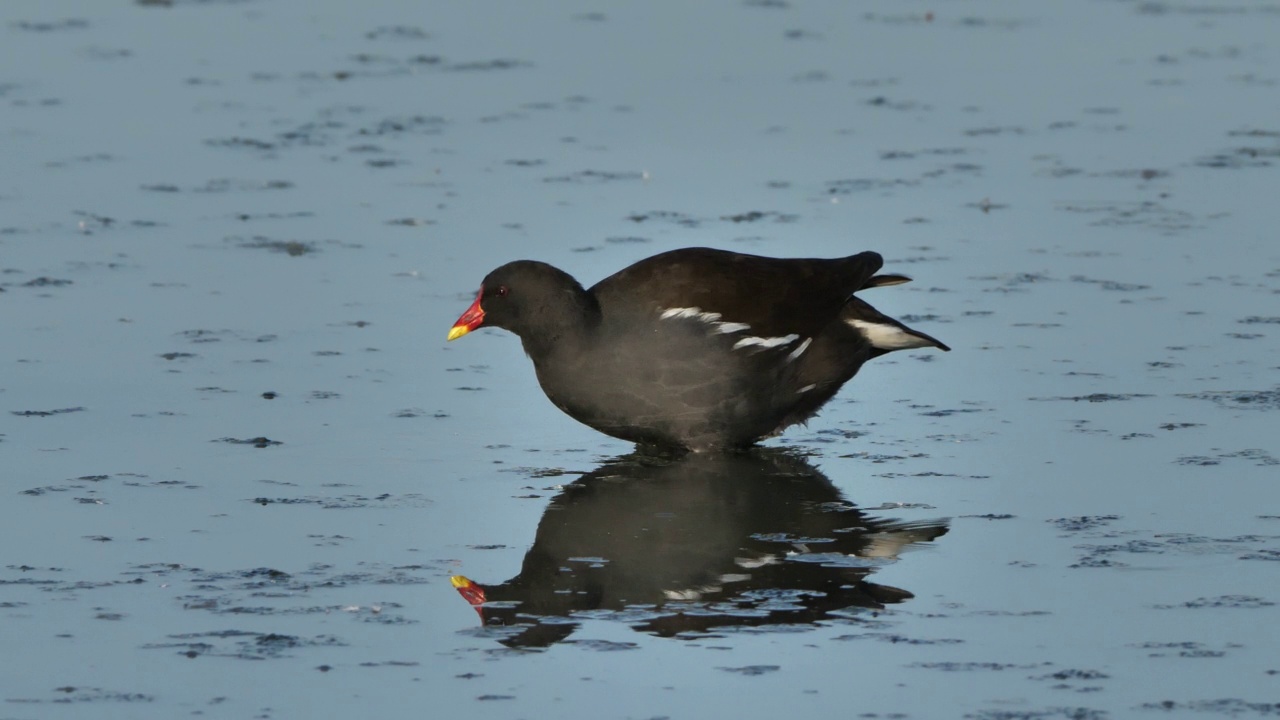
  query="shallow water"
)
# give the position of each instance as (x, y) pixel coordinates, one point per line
(242, 465)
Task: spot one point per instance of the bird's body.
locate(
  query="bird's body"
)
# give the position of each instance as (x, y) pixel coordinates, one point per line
(696, 348)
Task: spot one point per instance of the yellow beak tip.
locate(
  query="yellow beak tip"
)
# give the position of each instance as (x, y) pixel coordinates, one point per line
(460, 581)
(456, 332)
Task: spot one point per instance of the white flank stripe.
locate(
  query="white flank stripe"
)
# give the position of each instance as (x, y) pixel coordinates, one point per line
(887, 337)
(805, 389)
(799, 351)
(694, 593)
(690, 312)
(753, 563)
(710, 318)
(765, 342)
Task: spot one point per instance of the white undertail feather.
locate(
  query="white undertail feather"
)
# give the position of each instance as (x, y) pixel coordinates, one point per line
(888, 337)
(886, 280)
(891, 543)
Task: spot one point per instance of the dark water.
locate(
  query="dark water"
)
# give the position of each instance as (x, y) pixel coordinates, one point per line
(241, 466)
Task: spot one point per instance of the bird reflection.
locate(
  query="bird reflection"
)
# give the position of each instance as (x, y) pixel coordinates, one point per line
(684, 545)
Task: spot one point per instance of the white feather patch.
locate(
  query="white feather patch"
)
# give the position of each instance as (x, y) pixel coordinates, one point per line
(710, 318)
(693, 593)
(765, 343)
(756, 562)
(690, 312)
(887, 337)
(799, 351)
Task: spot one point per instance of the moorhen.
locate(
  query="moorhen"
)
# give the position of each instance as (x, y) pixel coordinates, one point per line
(694, 348)
(701, 542)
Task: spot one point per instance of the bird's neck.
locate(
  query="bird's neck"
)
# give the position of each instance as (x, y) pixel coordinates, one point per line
(566, 327)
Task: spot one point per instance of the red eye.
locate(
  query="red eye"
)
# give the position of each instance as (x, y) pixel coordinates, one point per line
(502, 291)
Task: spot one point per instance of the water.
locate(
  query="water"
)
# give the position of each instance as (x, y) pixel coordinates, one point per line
(255, 221)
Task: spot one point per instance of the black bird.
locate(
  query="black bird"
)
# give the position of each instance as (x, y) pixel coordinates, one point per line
(695, 348)
(696, 542)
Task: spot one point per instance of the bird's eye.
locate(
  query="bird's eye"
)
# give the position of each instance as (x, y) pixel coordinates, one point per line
(502, 291)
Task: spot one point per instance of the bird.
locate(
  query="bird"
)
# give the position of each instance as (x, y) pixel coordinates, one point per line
(695, 349)
(699, 542)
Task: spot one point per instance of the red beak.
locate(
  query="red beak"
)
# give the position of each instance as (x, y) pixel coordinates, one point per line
(470, 592)
(470, 320)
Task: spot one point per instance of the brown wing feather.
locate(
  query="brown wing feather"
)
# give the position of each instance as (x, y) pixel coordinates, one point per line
(775, 297)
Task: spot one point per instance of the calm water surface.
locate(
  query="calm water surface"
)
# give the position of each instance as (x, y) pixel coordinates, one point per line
(241, 466)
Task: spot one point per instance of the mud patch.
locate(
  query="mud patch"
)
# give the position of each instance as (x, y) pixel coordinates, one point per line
(752, 670)
(1097, 397)
(1258, 457)
(70, 695)
(242, 645)
(46, 413)
(258, 442)
(1240, 399)
(1234, 602)
(1184, 649)
(1231, 707)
